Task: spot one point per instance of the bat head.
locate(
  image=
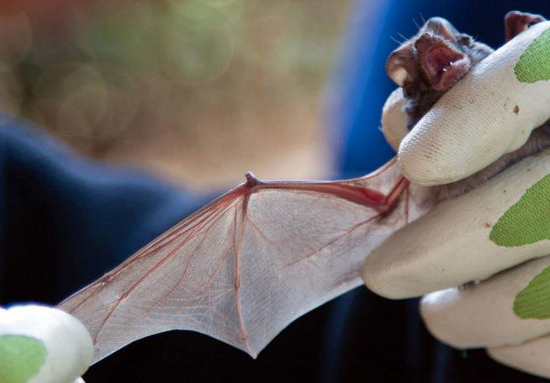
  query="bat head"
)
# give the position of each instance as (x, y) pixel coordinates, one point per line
(431, 62)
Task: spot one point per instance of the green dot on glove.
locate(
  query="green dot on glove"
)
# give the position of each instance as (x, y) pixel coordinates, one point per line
(20, 358)
(533, 302)
(528, 220)
(534, 64)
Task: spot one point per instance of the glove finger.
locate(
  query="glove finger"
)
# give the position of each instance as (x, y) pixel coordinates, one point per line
(42, 344)
(532, 357)
(502, 223)
(509, 308)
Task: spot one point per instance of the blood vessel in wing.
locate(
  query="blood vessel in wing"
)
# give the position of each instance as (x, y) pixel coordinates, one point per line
(246, 265)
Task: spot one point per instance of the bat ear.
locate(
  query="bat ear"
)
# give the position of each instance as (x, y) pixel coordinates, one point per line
(401, 66)
(441, 27)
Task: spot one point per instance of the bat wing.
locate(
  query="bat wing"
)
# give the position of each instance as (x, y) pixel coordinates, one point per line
(246, 265)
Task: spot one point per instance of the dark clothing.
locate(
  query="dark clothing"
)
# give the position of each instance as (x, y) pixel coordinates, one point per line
(64, 221)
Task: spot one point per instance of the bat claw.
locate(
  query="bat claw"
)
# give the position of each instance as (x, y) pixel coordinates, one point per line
(251, 180)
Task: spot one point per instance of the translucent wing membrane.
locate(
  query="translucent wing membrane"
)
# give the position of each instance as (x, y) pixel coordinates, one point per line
(243, 267)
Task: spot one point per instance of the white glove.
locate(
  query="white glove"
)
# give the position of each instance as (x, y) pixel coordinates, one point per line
(497, 235)
(42, 345)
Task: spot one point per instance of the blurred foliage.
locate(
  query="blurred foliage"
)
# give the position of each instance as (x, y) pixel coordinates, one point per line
(201, 72)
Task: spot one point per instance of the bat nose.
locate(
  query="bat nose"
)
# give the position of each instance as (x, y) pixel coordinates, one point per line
(426, 40)
(442, 27)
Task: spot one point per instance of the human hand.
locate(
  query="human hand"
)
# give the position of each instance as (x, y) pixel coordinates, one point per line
(39, 344)
(493, 242)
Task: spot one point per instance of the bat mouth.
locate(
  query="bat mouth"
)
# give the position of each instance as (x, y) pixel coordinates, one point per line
(445, 66)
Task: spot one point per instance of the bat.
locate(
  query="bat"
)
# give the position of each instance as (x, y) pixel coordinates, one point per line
(246, 265)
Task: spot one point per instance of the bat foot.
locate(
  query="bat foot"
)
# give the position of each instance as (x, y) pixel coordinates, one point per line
(517, 22)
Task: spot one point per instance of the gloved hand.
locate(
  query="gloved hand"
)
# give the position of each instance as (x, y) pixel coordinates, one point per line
(42, 345)
(488, 249)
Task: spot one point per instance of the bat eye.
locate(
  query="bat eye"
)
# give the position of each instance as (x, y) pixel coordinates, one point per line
(465, 40)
